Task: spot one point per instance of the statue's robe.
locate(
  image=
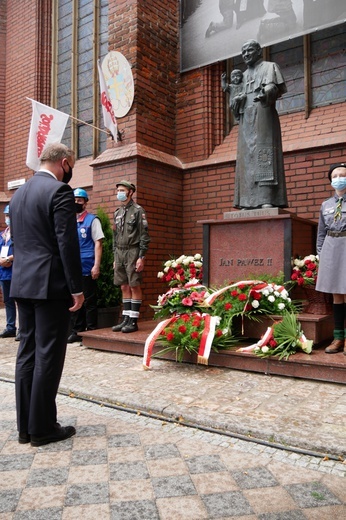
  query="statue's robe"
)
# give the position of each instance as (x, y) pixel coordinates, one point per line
(260, 176)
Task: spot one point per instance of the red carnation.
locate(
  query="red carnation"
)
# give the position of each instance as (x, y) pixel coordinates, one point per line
(170, 336)
(228, 306)
(242, 297)
(218, 333)
(182, 329)
(194, 335)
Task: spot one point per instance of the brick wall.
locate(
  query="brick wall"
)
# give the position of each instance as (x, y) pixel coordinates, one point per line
(2, 89)
(174, 148)
(27, 74)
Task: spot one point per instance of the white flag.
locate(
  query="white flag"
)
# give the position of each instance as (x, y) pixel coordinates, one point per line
(47, 126)
(109, 119)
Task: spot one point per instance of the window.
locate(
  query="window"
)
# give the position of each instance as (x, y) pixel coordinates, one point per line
(80, 29)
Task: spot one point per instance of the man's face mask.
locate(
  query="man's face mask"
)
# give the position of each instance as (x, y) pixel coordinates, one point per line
(339, 183)
(67, 175)
(121, 195)
(79, 207)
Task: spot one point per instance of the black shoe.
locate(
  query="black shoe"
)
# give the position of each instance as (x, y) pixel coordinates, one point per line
(130, 327)
(118, 328)
(8, 334)
(60, 433)
(23, 438)
(17, 337)
(74, 338)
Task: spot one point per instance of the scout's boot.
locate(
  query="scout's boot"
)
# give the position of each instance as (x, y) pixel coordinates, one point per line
(337, 345)
(131, 326)
(117, 328)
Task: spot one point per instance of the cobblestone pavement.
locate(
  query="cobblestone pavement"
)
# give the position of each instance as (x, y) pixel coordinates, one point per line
(127, 465)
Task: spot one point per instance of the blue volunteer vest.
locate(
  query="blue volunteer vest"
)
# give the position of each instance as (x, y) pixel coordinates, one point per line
(86, 244)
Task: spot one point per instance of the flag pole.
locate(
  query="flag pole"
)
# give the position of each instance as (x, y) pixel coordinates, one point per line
(79, 120)
(92, 126)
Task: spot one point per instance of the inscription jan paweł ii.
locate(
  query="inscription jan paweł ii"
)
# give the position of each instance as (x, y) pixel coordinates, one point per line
(241, 262)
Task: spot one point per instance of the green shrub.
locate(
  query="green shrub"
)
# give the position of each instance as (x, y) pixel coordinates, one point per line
(109, 295)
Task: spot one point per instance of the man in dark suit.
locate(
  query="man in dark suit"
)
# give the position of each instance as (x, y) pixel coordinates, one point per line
(47, 286)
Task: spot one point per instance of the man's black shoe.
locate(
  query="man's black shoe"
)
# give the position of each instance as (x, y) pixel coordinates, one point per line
(74, 338)
(60, 433)
(130, 327)
(23, 438)
(8, 334)
(17, 337)
(118, 328)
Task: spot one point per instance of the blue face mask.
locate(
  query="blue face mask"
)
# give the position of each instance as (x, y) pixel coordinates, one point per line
(339, 183)
(121, 195)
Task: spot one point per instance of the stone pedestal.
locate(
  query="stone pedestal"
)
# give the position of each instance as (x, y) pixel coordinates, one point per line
(254, 242)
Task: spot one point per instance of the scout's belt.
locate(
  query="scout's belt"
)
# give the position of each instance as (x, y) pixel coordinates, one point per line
(125, 248)
(336, 234)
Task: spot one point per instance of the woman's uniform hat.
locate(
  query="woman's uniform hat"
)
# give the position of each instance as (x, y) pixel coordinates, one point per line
(332, 168)
(127, 185)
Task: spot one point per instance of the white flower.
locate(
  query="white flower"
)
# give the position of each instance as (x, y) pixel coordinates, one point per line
(289, 300)
(168, 263)
(271, 298)
(166, 269)
(265, 292)
(312, 258)
(160, 274)
(198, 264)
(197, 256)
(276, 293)
(265, 349)
(281, 306)
(256, 349)
(255, 304)
(174, 264)
(179, 260)
(224, 331)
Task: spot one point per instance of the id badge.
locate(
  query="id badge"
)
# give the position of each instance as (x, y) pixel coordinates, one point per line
(4, 251)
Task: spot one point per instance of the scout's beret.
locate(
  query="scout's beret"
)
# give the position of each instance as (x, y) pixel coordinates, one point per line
(127, 184)
(332, 168)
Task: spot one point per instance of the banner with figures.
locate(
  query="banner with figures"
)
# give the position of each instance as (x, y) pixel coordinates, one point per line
(109, 119)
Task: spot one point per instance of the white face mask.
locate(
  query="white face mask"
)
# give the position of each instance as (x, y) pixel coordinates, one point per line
(7, 221)
(339, 183)
(121, 196)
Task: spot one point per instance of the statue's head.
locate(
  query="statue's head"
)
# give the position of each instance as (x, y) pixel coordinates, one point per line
(236, 76)
(251, 52)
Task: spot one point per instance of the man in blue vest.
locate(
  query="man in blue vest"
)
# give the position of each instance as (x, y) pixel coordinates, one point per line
(6, 260)
(90, 236)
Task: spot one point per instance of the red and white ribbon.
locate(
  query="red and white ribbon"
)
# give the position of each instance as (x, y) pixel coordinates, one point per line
(208, 334)
(150, 341)
(210, 300)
